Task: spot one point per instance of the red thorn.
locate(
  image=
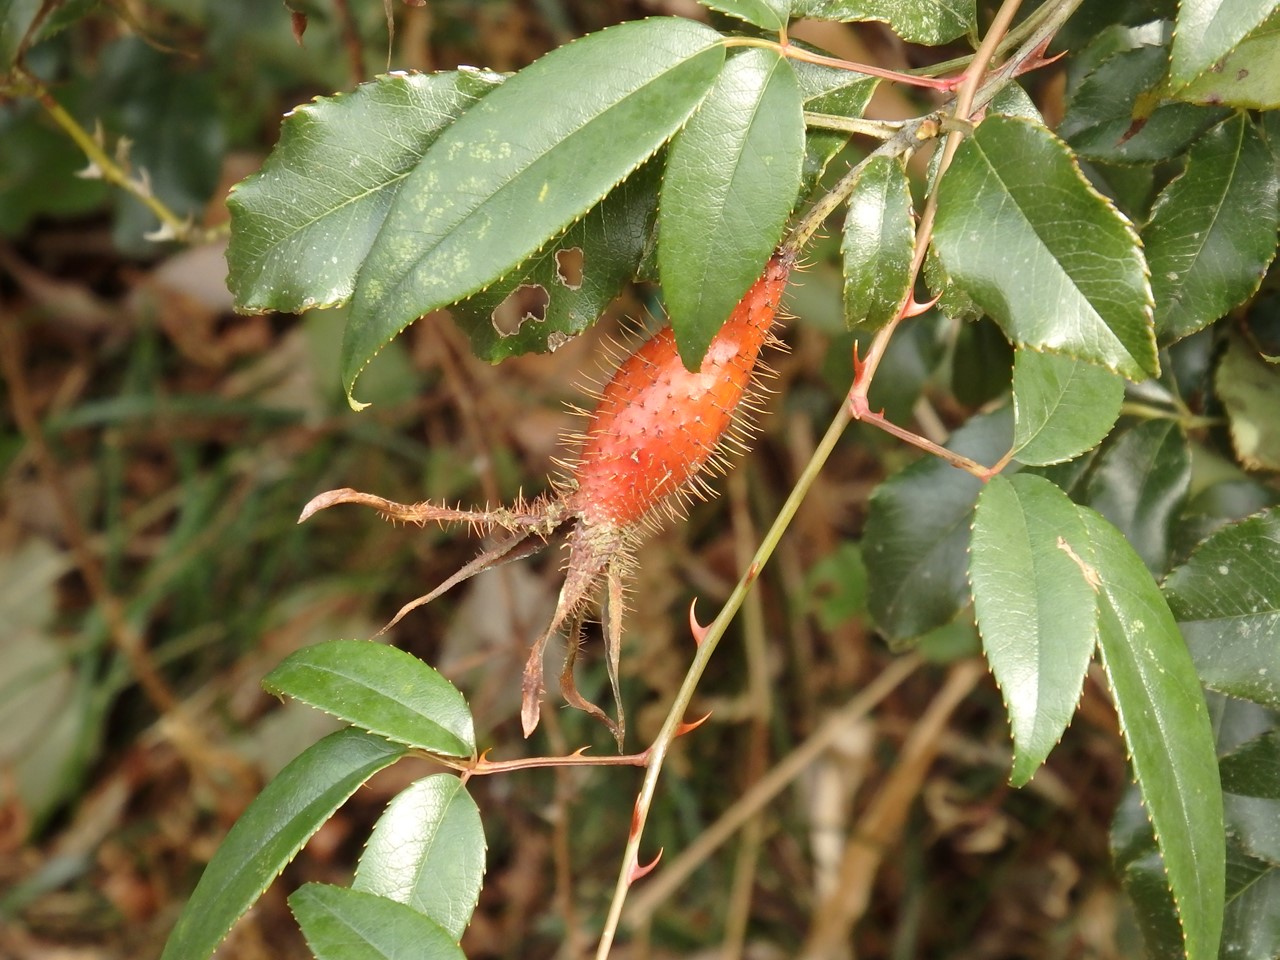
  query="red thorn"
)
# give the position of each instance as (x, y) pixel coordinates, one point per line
(912, 308)
(637, 872)
(683, 728)
(753, 571)
(858, 364)
(698, 630)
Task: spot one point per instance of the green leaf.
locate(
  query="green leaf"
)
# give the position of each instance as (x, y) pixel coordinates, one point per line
(766, 14)
(343, 924)
(269, 834)
(571, 280)
(1165, 724)
(1216, 506)
(16, 20)
(1023, 234)
(1140, 483)
(879, 242)
(451, 231)
(1253, 770)
(732, 178)
(381, 689)
(1030, 569)
(1249, 388)
(1207, 30)
(302, 225)
(1251, 924)
(1226, 598)
(1248, 76)
(1115, 114)
(427, 851)
(916, 539)
(1141, 869)
(919, 21)
(1061, 406)
(1212, 232)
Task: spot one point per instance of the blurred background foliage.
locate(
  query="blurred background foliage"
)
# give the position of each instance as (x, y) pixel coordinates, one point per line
(156, 448)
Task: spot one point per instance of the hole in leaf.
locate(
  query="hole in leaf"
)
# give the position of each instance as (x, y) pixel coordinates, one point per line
(557, 339)
(526, 302)
(569, 265)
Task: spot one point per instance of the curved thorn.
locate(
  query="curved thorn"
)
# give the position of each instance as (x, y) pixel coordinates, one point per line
(698, 630)
(637, 872)
(683, 728)
(913, 308)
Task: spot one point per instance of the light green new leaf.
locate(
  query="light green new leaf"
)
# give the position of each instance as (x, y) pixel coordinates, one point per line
(269, 834)
(879, 241)
(1248, 76)
(1140, 483)
(381, 689)
(1207, 30)
(344, 924)
(427, 851)
(495, 187)
(303, 224)
(1226, 598)
(1061, 406)
(571, 280)
(917, 534)
(732, 178)
(1022, 233)
(1212, 232)
(1030, 569)
(919, 21)
(1165, 724)
(1249, 388)
(766, 14)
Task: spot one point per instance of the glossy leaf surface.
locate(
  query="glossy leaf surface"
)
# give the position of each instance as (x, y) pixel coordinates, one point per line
(344, 924)
(1030, 569)
(449, 231)
(1023, 234)
(1061, 406)
(381, 689)
(878, 244)
(271, 831)
(919, 21)
(766, 14)
(1207, 30)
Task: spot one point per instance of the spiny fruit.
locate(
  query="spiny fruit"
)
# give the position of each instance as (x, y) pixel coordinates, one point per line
(656, 430)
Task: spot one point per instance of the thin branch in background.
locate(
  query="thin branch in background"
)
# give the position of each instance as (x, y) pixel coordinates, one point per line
(351, 41)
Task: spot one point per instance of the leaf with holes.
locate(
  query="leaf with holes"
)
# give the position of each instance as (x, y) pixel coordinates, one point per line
(1022, 233)
(1166, 726)
(380, 689)
(1035, 598)
(271, 831)
(918, 21)
(427, 851)
(1061, 406)
(344, 924)
(452, 229)
(878, 244)
(564, 288)
(732, 177)
(1212, 232)
(303, 224)
(1226, 598)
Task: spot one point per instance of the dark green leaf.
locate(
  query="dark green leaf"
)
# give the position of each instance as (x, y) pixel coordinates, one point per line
(832, 90)
(981, 363)
(1141, 868)
(766, 14)
(1255, 822)
(917, 534)
(1061, 406)
(1248, 76)
(1207, 30)
(919, 21)
(1227, 601)
(450, 230)
(302, 226)
(1165, 724)
(879, 241)
(732, 177)
(1139, 483)
(1212, 232)
(1217, 505)
(381, 689)
(343, 924)
(1249, 388)
(1022, 233)
(1253, 770)
(1115, 114)
(1030, 568)
(571, 280)
(280, 820)
(1251, 925)
(427, 851)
